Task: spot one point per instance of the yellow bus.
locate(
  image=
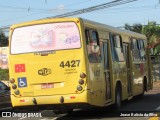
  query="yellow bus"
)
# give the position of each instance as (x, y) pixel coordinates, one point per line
(69, 63)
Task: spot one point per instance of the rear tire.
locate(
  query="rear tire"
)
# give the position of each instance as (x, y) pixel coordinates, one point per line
(145, 86)
(118, 97)
(145, 89)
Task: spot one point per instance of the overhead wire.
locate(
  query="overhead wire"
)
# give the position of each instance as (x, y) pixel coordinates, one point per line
(93, 8)
(19, 8)
(45, 11)
(13, 7)
(37, 9)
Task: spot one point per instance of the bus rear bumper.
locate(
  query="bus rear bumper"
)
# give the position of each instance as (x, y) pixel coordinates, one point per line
(52, 100)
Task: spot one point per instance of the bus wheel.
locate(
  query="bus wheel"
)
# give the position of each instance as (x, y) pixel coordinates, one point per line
(144, 88)
(118, 97)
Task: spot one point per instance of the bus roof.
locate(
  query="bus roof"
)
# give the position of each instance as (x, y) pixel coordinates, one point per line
(86, 23)
(113, 29)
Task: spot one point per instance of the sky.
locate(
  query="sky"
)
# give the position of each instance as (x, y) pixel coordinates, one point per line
(140, 11)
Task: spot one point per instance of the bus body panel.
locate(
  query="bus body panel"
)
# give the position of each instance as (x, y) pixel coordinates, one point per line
(50, 99)
(97, 84)
(48, 71)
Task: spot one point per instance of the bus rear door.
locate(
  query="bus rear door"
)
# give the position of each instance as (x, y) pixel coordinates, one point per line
(128, 67)
(105, 54)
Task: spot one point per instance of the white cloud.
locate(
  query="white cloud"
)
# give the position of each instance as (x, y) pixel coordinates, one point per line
(61, 7)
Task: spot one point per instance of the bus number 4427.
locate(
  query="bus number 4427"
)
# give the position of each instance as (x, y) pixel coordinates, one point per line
(72, 63)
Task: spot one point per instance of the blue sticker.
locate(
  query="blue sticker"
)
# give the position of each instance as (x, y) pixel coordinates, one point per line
(22, 82)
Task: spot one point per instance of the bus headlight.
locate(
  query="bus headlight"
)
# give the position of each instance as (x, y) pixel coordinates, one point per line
(14, 86)
(17, 92)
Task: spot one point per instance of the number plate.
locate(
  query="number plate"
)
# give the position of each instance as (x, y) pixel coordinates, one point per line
(47, 85)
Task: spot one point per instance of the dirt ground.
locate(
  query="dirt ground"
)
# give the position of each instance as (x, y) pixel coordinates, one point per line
(156, 84)
(156, 88)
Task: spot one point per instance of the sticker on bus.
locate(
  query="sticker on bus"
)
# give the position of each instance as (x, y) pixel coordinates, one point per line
(47, 85)
(19, 68)
(22, 82)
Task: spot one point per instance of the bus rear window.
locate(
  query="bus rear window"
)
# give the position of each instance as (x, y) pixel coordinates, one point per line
(45, 37)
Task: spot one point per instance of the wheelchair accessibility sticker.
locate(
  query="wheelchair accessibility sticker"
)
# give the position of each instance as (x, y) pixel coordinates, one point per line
(22, 82)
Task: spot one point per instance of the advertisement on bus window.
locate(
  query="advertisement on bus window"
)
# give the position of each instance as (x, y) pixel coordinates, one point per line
(45, 37)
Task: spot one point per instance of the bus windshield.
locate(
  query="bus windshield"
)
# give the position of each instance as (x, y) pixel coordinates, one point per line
(45, 37)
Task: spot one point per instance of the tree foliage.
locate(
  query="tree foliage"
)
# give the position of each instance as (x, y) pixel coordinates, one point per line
(4, 74)
(152, 32)
(3, 40)
(135, 27)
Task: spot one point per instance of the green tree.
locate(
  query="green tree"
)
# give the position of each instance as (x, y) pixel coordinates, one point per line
(152, 32)
(128, 27)
(135, 27)
(4, 74)
(3, 40)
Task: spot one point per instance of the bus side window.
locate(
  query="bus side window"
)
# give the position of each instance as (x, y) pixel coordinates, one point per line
(117, 40)
(93, 47)
(95, 38)
(112, 47)
(135, 49)
(134, 43)
(141, 48)
(87, 36)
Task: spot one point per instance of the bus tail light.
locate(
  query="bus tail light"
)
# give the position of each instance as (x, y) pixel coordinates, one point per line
(17, 92)
(81, 81)
(22, 100)
(82, 75)
(12, 80)
(79, 88)
(72, 97)
(14, 86)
